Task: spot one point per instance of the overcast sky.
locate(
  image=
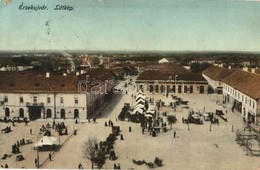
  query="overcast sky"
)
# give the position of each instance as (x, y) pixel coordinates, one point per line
(168, 25)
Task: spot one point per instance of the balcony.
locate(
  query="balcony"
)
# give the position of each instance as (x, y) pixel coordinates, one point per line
(28, 104)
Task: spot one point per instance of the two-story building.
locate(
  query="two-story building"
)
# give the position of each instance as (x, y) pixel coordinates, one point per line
(242, 94)
(53, 96)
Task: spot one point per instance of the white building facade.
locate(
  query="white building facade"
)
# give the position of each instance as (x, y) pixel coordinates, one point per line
(43, 105)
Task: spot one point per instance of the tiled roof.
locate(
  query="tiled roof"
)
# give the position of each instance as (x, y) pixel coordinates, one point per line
(36, 83)
(246, 82)
(163, 75)
(218, 73)
(16, 82)
(100, 74)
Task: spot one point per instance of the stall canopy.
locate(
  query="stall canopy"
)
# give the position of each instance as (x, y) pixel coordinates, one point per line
(140, 106)
(139, 97)
(140, 92)
(138, 110)
(46, 141)
(140, 102)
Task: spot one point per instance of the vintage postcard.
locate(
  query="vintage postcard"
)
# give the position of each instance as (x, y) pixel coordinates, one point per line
(130, 84)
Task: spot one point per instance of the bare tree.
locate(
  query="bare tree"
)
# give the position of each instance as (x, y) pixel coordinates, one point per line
(93, 153)
(89, 150)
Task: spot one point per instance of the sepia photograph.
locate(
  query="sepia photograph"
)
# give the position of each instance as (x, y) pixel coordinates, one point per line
(130, 84)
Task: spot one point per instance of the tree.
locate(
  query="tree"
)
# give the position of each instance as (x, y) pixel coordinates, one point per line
(100, 158)
(93, 153)
(171, 119)
(89, 151)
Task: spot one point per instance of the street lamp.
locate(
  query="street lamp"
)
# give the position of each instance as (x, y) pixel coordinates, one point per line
(175, 83)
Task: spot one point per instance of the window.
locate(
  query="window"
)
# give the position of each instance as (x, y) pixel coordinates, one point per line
(61, 100)
(34, 99)
(76, 100)
(253, 105)
(21, 99)
(242, 98)
(6, 99)
(48, 100)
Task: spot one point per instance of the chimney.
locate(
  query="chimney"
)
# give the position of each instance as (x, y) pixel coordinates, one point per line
(77, 73)
(253, 70)
(245, 69)
(229, 67)
(47, 74)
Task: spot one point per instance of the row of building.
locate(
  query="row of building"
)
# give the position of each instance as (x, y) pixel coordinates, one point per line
(238, 89)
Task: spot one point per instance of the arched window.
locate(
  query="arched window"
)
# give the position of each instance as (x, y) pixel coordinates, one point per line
(21, 113)
(62, 114)
(7, 112)
(76, 113)
(48, 113)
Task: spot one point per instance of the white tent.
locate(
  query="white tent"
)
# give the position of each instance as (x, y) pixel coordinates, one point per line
(140, 106)
(164, 60)
(151, 110)
(138, 110)
(148, 115)
(139, 102)
(46, 141)
(140, 97)
(140, 93)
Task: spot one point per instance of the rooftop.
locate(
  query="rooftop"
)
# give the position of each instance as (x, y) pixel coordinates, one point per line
(246, 82)
(218, 73)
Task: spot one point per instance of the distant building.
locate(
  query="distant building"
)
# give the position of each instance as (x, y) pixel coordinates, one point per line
(175, 79)
(202, 60)
(162, 61)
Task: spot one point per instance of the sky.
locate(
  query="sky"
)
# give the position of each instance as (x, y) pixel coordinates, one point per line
(132, 25)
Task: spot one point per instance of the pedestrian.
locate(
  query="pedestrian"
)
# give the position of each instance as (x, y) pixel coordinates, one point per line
(174, 134)
(115, 167)
(130, 129)
(118, 166)
(6, 166)
(31, 131)
(26, 122)
(143, 130)
(36, 162)
(50, 156)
